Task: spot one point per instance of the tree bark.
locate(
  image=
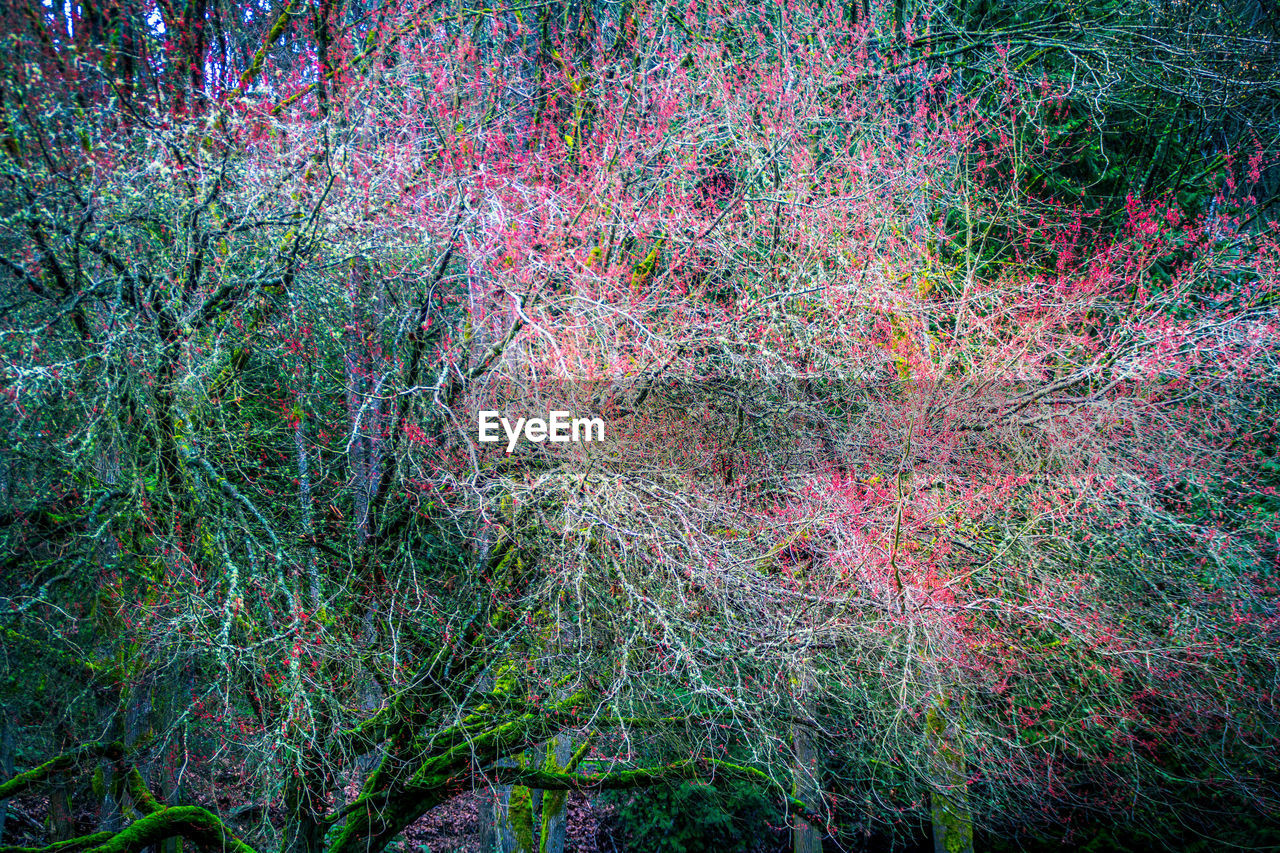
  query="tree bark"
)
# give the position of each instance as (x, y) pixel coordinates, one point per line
(805, 837)
(949, 800)
(61, 821)
(554, 823)
(305, 833)
(488, 810)
(6, 758)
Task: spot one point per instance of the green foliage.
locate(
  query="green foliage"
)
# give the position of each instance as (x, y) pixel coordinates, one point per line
(1247, 830)
(735, 817)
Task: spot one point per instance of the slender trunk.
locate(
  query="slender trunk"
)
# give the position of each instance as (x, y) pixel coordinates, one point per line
(517, 823)
(107, 468)
(167, 706)
(6, 761)
(949, 800)
(61, 821)
(6, 724)
(305, 832)
(139, 712)
(503, 831)
(496, 833)
(110, 818)
(807, 772)
(359, 387)
(305, 792)
(487, 799)
(554, 822)
(805, 837)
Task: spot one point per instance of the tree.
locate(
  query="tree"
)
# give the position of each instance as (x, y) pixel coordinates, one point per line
(909, 483)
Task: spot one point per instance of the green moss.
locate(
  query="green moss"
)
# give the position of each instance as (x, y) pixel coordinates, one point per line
(553, 803)
(62, 764)
(951, 816)
(643, 271)
(956, 825)
(64, 846)
(142, 799)
(192, 822)
(520, 816)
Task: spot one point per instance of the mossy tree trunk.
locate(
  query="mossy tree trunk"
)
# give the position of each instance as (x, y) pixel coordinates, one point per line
(533, 820)
(553, 806)
(518, 820)
(949, 800)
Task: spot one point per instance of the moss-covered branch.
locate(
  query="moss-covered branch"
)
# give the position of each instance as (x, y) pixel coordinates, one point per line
(193, 823)
(142, 799)
(69, 761)
(549, 780)
(80, 666)
(706, 770)
(281, 23)
(68, 846)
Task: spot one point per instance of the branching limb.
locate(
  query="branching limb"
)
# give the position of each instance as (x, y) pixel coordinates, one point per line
(63, 763)
(193, 823)
(72, 844)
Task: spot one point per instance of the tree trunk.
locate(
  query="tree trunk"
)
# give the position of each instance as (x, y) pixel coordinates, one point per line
(805, 837)
(61, 821)
(6, 757)
(107, 468)
(305, 834)
(554, 803)
(488, 832)
(139, 711)
(502, 832)
(516, 819)
(949, 800)
(530, 820)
